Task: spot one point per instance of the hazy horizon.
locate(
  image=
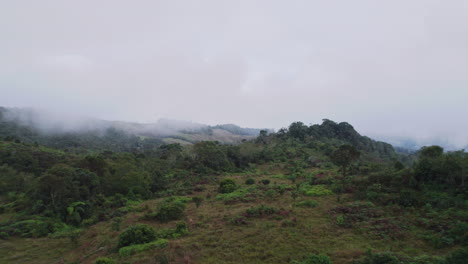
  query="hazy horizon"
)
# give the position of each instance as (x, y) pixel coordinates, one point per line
(391, 69)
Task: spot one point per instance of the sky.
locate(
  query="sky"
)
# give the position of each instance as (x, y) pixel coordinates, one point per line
(390, 68)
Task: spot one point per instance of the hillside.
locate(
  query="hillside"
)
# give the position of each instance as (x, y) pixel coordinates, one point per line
(83, 134)
(305, 194)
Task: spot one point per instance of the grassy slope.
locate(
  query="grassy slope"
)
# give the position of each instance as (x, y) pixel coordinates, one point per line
(215, 240)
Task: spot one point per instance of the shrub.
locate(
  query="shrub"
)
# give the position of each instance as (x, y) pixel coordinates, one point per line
(240, 195)
(408, 198)
(181, 228)
(340, 220)
(137, 234)
(457, 257)
(103, 260)
(316, 190)
(168, 233)
(379, 258)
(308, 203)
(227, 186)
(133, 249)
(260, 210)
(315, 259)
(250, 181)
(355, 212)
(162, 259)
(170, 209)
(4, 235)
(29, 228)
(265, 181)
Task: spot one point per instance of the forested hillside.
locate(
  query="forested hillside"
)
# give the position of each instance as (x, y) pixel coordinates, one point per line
(305, 194)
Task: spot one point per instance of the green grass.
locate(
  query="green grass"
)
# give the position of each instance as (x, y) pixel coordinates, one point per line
(134, 249)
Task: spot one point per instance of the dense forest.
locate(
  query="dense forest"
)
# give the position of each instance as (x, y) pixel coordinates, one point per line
(304, 194)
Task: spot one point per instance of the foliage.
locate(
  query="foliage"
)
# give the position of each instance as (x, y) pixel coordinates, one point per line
(170, 209)
(38, 227)
(240, 195)
(181, 229)
(133, 249)
(136, 234)
(250, 181)
(210, 155)
(227, 186)
(379, 258)
(348, 215)
(315, 190)
(260, 210)
(344, 156)
(265, 181)
(59, 192)
(315, 259)
(103, 260)
(457, 257)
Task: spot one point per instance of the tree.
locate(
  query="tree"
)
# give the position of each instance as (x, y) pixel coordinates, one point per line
(344, 156)
(262, 137)
(56, 187)
(211, 155)
(431, 152)
(298, 130)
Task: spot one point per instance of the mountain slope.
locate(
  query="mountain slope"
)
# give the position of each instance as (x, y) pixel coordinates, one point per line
(47, 129)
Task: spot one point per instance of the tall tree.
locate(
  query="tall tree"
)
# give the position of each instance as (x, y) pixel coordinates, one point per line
(344, 156)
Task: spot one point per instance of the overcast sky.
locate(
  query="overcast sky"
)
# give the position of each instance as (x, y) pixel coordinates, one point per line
(396, 67)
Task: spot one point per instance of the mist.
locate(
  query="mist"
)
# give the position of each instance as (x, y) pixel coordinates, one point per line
(394, 69)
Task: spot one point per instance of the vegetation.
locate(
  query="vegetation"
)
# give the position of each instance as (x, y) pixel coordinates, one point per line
(137, 234)
(273, 199)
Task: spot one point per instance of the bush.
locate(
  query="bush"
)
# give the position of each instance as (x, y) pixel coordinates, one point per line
(250, 181)
(265, 181)
(240, 195)
(181, 228)
(316, 190)
(227, 186)
(103, 260)
(137, 234)
(315, 259)
(168, 233)
(29, 228)
(260, 211)
(408, 198)
(133, 249)
(379, 258)
(170, 209)
(457, 257)
(4, 235)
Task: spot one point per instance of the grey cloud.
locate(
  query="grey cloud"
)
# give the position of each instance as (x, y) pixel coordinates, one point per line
(390, 68)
